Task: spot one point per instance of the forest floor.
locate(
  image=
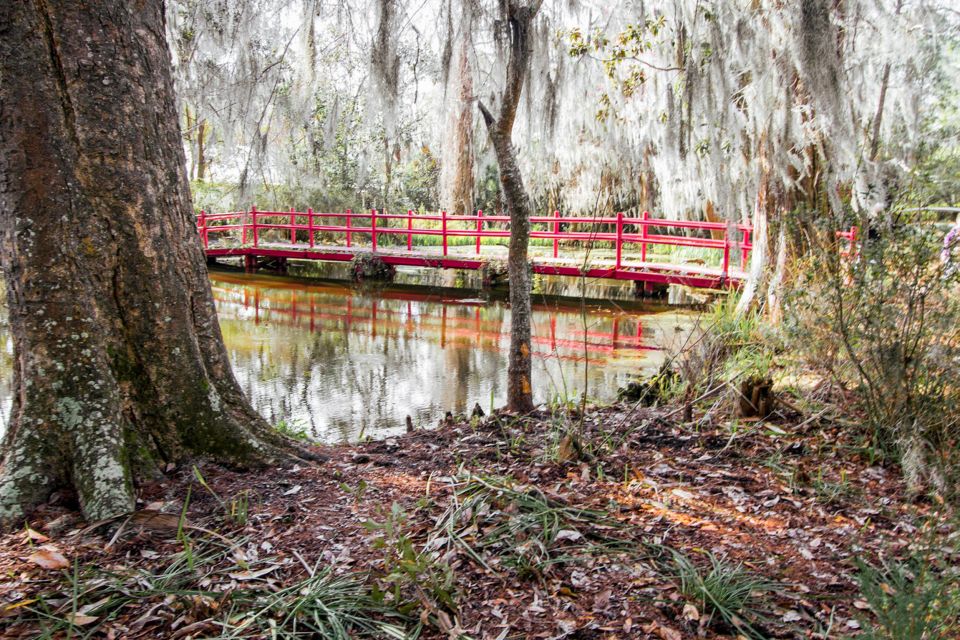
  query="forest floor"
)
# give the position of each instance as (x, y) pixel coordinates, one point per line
(621, 523)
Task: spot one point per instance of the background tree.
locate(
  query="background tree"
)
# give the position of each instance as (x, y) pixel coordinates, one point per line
(518, 20)
(119, 361)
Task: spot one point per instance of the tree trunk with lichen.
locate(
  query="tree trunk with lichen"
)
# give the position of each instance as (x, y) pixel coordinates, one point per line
(519, 19)
(119, 363)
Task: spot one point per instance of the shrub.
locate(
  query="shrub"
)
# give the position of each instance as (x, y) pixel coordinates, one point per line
(886, 323)
(913, 599)
(725, 350)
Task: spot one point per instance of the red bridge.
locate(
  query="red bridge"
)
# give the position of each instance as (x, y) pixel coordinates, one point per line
(596, 247)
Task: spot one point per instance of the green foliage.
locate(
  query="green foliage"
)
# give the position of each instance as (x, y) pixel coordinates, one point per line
(913, 599)
(621, 57)
(888, 323)
(725, 347)
(292, 430)
(408, 573)
(725, 589)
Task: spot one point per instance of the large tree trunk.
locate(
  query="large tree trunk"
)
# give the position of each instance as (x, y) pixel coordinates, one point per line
(520, 19)
(119, 361)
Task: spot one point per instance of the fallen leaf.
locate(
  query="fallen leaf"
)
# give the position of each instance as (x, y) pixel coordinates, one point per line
(690, 612)
(36, 536)
(566, 450)
(666, 633)
(568, 534)
(293, 491)
(602, 599)
(791, 616)
(49, 557)
(252, 575)
(80, 620)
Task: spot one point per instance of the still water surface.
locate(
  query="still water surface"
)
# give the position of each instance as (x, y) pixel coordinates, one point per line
(341, 361)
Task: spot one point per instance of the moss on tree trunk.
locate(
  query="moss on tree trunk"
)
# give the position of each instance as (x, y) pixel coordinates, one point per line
(119, 360)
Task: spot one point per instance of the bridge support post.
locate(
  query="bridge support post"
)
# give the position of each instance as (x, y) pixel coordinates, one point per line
(619, 239)
(479, 228)
(724, 274)
(203, 229)
(349, 218)
(293, 226)
(644, 232)
(253, 215)
(645, 289)
(249, 263)
(373, 228)
(556, 234)
(443, 224)
(310, 224)
(409, 229)
(744, 249)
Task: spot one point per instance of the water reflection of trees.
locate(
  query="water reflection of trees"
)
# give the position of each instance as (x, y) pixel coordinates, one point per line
(341, 362)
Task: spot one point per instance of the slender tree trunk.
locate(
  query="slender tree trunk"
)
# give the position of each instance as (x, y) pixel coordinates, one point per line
(878, 116)
(119, 360)
(520, 18)
(201, 151)
(759, 255)
(463, 182)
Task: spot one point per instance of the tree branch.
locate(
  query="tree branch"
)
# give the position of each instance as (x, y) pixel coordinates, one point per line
(487, 116)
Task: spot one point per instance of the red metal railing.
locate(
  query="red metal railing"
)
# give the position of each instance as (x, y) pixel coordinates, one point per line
(619, 231)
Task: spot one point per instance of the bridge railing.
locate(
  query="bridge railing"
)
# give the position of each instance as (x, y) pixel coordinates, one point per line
(619, 231)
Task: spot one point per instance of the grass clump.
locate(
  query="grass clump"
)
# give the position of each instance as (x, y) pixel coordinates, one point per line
(324, 605)
(723, 589)
(212, 587)
(500, 523)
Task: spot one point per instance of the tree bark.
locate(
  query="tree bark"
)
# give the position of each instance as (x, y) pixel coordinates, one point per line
(519, 390)
(463, 181)
(120, 366)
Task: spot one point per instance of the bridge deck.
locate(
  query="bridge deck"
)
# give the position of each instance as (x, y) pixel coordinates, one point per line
(690, 274)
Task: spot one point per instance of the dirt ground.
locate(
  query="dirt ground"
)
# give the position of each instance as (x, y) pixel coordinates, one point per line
(791, 501)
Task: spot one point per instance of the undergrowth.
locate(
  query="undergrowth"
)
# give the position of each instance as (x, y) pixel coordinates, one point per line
(213, 587)
(722, 589)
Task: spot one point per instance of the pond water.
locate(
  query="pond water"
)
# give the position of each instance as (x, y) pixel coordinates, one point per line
(342, 362)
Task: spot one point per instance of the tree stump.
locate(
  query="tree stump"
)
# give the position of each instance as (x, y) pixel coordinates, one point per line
(757, 399)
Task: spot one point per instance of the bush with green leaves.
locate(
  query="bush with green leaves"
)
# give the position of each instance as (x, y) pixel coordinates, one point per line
(724, 348)
(886, 322)
(913, 599)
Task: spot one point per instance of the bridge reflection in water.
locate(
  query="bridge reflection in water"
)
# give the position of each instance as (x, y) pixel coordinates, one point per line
(341, 362)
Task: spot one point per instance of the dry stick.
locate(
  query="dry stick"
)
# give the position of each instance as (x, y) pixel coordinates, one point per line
(297, 555)
(583, 316)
